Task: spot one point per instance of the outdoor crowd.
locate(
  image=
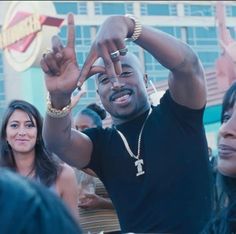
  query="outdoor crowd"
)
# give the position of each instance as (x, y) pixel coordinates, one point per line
(151, 171)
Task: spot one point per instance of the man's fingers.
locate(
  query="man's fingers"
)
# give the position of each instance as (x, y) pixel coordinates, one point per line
(71, 31)
(51, 63)
(57, 48)
(109, 66)
(107, 60)
(121, 46)
(118, 67)
(44, 67)
(56, 44)
(95, 70)
(115, 57)
(91, 58)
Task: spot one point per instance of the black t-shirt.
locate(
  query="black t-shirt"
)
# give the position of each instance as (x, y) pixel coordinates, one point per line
(173, 196)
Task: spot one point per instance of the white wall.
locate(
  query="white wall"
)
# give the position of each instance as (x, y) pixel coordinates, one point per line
(3, 10)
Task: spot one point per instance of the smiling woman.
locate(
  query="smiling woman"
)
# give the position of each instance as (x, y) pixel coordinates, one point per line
(224, 221)
(23, 150)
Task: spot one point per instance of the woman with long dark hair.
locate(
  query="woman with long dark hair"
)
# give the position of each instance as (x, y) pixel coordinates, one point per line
(224, 220)
(23, 150)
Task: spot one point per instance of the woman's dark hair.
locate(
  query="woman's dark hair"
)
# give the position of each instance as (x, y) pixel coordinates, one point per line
(223, 222)
(95, 112)
(224, 215)
(98, 109)
(47, 167)
(227, 195)
(229, 99)
(228, 184)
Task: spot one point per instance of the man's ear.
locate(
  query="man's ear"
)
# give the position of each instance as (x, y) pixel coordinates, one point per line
(145, 78)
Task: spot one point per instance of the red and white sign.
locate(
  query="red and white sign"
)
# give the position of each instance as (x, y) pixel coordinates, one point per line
(27, 31)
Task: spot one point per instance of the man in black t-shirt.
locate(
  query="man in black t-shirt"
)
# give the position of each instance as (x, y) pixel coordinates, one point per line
(153, 161)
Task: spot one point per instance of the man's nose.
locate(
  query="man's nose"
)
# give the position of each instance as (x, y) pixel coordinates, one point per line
(116, 83)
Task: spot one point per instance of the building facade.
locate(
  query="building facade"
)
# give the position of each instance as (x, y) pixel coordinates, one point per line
(191, 21)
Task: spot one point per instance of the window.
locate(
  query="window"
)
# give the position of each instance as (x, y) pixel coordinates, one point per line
(83, 35)
(232, 31)
(81, 56)
(91, 84)
(205, 43)
(82, 8)
(231, 11)
(2, 90)
(208, 58)
(150, 9)
(201, 36)
(155, 70)
(174, 31)
(199, 10)
(63, 32)
(113, 8)
(129, 8)
(66, 7)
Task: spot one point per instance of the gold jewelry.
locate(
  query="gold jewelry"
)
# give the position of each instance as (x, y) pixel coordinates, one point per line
(139, 162)
(137, 28)
(56, 113)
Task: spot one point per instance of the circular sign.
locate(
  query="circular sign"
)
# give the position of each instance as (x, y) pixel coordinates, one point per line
(27, 31)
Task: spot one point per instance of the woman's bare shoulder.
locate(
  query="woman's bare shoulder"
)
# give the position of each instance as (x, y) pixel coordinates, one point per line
(67, 174)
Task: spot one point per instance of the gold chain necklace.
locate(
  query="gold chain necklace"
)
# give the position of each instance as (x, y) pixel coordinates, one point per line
(139, 162)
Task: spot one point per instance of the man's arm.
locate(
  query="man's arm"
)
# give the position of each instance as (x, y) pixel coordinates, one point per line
(61, 76)
(186, 80)
(94, 201)
(71, 146)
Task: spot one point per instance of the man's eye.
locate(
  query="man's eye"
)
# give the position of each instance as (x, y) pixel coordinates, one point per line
(126, 74)
(103, 79)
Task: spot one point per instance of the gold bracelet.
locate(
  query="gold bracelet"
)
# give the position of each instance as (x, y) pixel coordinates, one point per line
(137, 28)
(56, 113)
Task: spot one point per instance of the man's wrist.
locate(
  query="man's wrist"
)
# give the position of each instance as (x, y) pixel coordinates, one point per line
(58, 101)
(137, 28)
(60, 110)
